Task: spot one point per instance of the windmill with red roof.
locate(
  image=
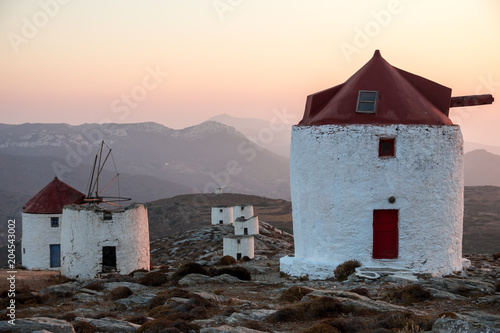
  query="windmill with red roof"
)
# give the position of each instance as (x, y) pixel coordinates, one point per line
(376, 171)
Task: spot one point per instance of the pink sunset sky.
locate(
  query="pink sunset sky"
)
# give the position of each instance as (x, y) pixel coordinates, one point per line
(87, 61)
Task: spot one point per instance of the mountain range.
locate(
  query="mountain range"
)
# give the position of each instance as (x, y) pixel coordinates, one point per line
(157, 162)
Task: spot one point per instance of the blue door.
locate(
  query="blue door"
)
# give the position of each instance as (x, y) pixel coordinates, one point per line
(55, 255)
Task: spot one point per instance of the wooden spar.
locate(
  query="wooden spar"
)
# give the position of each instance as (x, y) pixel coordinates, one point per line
(92, 178)
(471, 100)
(112, 180)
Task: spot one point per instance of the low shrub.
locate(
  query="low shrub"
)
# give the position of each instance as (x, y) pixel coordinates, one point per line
(185, 326)
(497, 286)
(161, 311)
(239, 272)
(345, 269)
(164, 269)
(408, 295)
(155, 326)
(316, 309)
(189, 268)
(139, 320)
(398, 321)
(165, 295)
(84, 327)
(360, 291)
(320, 328)
(245, 259)
(68, 316)
(255, 325)
(153, 279)
(226, 261)
(496, 255)
(119, 293)
(119, 278)
(294, 294)
(140, 270)
(346, 325)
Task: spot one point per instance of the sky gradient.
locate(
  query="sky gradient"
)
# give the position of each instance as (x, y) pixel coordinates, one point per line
(180, 62)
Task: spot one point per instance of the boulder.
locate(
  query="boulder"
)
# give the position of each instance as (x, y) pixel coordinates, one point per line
(110, 325)
(468, 322)
(248, 315)
(133, 301)
(225, 278)
(60, 290)
(193, 279)
(37, 324)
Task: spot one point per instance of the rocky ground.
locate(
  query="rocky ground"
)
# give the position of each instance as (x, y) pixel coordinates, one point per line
(217, 295)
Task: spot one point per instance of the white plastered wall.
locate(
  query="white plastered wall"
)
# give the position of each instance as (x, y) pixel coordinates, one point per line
(224, 214)
(84, 233)
(245, 211)
(338, 179)
(252, 226)
(239, 244)
(38, 235)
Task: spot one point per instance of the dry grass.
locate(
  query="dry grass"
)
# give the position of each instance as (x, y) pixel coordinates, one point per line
(153, 279)
(294, 294)
(226, 261)
(239, 272)
(84, 327)
(408, 295)
(345, 269)
(96, 285)
(119, 293)
(316, 309)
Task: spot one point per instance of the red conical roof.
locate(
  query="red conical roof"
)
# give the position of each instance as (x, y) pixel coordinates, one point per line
(52, 198)
(403, 98)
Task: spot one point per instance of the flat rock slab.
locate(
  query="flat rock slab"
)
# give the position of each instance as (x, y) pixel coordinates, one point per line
(194, 279)
(37, 324)
(228, 329)
(359, 301)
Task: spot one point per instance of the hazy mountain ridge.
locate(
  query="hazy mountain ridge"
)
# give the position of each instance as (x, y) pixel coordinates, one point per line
(481, 168)
(274, 136)
(154, 161)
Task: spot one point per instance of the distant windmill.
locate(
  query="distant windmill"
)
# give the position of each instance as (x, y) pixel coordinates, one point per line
(93, 192)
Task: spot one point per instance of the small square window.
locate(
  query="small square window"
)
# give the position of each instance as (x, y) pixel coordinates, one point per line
(220, 210)
(54, 222)
(386, 148)
(107, 215)
(367, 101)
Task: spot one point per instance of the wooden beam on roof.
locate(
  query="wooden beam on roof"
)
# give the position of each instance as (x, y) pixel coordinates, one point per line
(471, 100)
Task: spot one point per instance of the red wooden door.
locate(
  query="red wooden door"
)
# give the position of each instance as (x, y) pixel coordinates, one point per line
(385, 234)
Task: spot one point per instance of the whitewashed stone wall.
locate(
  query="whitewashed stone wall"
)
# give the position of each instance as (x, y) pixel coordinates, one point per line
(245, 211)
(252, 226)
(38, 235)
(84, 233)
(222, 213)
(239, 244)
(337, 180)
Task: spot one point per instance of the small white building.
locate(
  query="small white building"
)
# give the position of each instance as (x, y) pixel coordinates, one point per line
(243, 211)
(239, 246)
(376, 173)
(245, 227)
(222, 215)
(97, 241)
(41, 227)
